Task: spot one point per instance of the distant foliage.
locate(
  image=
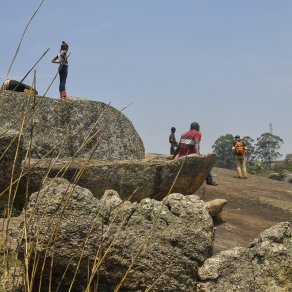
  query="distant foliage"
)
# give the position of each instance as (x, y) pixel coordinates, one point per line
(250, 153)
(258, 155)
(288, 158)
(222, 147)
(267, 147)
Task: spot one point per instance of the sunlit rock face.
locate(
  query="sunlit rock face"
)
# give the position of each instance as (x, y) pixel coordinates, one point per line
(266, 265)
(67, 128)
(71, 232)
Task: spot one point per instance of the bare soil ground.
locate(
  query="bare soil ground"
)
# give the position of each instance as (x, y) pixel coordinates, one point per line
(253, 205)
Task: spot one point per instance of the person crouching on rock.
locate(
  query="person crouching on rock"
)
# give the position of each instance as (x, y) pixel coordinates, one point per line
(63, 71)
(189, 143)
(14, 85)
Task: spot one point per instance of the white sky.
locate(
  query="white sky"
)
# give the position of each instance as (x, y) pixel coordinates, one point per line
(225, 64)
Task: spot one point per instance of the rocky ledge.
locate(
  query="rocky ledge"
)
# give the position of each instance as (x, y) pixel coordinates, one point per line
(134, 180)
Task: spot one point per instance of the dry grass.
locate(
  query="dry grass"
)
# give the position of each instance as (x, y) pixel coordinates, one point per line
(31, 260)
(16, 273)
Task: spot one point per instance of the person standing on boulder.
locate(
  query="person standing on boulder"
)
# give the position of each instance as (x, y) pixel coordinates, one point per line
(189, 143)
(62, 59)
(239, 149)
(172, 141)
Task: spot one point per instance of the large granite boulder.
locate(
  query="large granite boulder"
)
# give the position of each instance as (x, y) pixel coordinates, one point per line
(265, 266)
(275, 176)
(65, 128)
(288, 157)
(133, 180)
(159, 243)
(11, 268)
(288, 177)
(11, 155)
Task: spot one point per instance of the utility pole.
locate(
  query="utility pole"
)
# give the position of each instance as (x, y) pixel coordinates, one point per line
(271, 128)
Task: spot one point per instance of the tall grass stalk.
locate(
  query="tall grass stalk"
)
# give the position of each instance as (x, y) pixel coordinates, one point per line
(150, 233)
(31, 256)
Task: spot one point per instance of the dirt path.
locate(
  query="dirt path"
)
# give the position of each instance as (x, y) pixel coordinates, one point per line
(253, 205)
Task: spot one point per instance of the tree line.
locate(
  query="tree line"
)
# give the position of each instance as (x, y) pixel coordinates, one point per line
(259, 155)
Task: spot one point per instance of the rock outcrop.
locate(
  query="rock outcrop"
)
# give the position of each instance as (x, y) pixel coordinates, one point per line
(275, 176)
(215, 207)
(288, 157)
(288, 177)
(66, 128)
(265, 266)
(11, 155)
(11, 268)
(134, 180)
(160, 243)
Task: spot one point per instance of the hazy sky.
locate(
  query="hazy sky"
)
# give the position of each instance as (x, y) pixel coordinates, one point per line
(226, 64)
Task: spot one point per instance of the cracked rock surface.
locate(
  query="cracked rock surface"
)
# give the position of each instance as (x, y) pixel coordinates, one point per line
(72, 127)
(164, 242)
(265, 266)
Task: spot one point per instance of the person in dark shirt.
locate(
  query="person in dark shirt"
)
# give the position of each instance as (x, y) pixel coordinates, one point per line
(172, 140)
(14, 85)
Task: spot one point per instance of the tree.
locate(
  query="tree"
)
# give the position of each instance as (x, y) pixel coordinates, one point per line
(223, 148)
(250, 153)
(267, 147)
(253, 166)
